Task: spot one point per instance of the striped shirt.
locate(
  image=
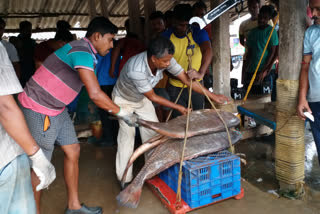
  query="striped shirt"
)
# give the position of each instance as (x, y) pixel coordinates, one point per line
(56, 82)
(136, 77)
(9, 84)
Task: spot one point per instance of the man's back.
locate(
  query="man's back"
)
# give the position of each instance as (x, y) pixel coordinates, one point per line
(56, 83)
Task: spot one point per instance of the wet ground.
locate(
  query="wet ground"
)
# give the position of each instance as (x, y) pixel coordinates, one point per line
(98, 184)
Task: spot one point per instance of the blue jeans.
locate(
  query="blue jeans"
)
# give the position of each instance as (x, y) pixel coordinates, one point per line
(16, 195)
(315, 126)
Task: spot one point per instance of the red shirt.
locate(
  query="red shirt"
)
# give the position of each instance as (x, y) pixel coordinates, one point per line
(43, 50)
(131, 47)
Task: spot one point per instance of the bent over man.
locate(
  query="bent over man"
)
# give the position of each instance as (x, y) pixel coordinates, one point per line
(53, 86)
(134, 92)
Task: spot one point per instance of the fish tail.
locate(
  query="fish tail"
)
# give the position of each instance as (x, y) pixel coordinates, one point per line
(130, 196)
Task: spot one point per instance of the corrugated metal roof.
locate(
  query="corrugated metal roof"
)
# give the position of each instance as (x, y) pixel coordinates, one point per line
(43, 14)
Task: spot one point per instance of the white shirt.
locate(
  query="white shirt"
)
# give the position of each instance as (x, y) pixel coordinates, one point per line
(136, 77)
(11, 50)
(9, 84)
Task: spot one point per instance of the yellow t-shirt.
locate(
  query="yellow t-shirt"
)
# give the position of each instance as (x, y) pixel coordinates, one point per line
(180, 55)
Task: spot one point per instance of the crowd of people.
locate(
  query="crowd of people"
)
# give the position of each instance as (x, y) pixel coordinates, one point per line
(130, 79)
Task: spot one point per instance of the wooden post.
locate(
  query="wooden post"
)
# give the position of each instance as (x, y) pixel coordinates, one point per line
(221, 52)
(104, 8)
(292, 13)
(134, 17)
(290, 174)
(149, 7)
(92, 9)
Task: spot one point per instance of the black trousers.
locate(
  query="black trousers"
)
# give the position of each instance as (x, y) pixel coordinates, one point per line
(197, 99)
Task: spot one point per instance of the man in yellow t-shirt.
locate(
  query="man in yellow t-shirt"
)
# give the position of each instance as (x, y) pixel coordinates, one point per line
(199, 42)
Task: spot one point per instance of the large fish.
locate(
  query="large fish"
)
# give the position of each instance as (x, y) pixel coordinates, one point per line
(169, 153)
(201, 122)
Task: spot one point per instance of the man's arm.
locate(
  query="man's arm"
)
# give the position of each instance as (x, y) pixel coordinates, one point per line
(196, 86)
(206, 51)
(164, 102)
(13, 121)
(95, 93)
(303, 87)
(269, 63)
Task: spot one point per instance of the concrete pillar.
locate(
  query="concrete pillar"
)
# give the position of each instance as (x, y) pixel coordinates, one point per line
(290, 136)
(221, 52)
(149, 7)
(134, 17)
(92, 9)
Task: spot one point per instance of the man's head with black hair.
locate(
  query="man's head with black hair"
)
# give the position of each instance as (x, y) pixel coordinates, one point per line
(276, 3)
(253, 7)
(64, 36)
(265, 14)
(160, 51)
(101, 32)
(127, 26)
(182, 13)
(156, 20)
(2, 27)
(168, 18)
(315, 10)
(199, 9)
(25, 29)
(63, 25)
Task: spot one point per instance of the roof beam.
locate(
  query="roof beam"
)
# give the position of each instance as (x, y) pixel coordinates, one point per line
(6, 7)
(92, 9)
(115, 3)
(104, 8)
(75, 7)
(42, 8)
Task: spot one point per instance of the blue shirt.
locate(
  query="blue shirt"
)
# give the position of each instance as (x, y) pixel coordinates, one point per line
(311, 46)
(102, 70)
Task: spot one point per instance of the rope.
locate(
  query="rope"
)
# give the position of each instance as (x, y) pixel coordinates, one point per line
(289, 149)
(219, 115)
(178, 196)
(189, 55)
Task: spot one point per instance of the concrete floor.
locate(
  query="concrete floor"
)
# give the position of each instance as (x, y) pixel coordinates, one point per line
(98, 186)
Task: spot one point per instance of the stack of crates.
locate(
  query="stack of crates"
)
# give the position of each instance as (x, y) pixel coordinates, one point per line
(206, 179)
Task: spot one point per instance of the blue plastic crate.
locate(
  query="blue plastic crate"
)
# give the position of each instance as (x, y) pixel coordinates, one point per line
(206, 179)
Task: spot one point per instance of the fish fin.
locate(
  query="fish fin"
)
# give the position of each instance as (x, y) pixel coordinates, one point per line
(129, 197)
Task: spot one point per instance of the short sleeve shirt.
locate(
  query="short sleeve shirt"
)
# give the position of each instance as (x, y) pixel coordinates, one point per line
(56, 82)
(9, 84)
(311, 46)
(257, 39)
(136, 77)
(197, 37)
(11, 50)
